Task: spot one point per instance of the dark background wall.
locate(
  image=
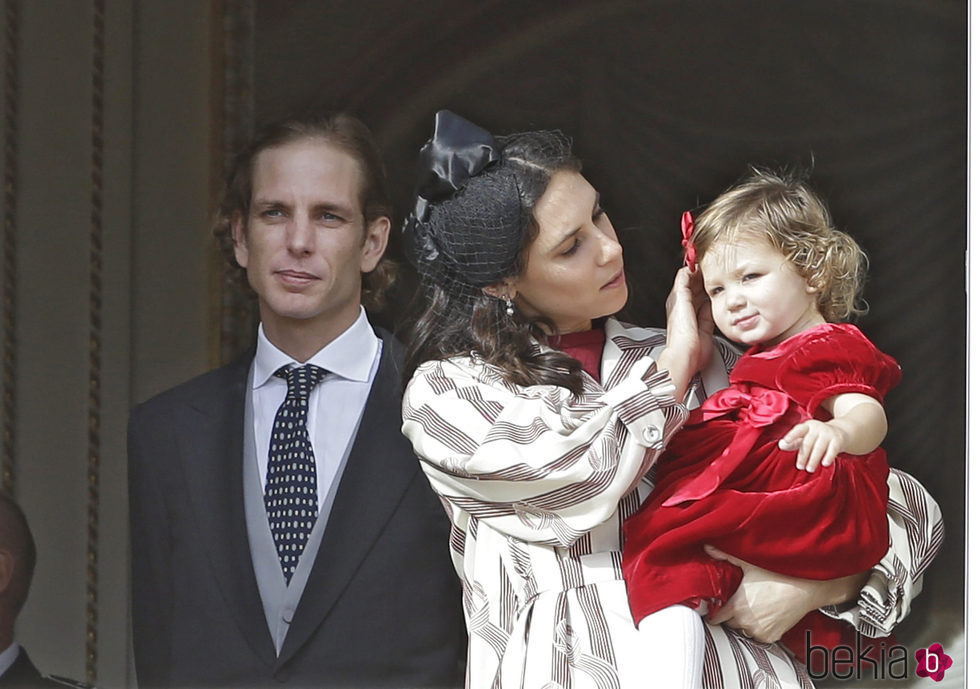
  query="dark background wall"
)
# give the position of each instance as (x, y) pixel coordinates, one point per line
(668, 102)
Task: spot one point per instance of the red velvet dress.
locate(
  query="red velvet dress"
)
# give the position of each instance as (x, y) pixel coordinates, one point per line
(724, 481)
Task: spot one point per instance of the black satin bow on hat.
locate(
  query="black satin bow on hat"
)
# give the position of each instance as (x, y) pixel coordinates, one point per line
(457, 151)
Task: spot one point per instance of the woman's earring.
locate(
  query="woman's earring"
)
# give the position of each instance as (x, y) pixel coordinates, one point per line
(509, 309)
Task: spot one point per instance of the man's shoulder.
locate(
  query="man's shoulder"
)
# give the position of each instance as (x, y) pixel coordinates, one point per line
(197, 389)
(23, 673)
(392, 345)
(392, 357)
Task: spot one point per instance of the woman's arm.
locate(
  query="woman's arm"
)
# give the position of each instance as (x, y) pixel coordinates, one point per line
(767, 604)
(537, 463)
(690, 331)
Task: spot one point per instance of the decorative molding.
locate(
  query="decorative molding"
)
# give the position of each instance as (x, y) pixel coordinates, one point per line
(234, 318)
(9, 299)
(95, 341)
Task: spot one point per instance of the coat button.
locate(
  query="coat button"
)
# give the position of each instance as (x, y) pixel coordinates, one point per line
(652, 434)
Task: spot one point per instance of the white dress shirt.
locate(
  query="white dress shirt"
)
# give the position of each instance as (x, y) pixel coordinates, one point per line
(335, 406)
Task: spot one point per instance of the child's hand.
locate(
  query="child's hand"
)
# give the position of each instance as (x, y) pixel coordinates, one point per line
(818, 443)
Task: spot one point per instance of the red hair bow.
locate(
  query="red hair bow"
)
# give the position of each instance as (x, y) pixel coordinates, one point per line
(687, 229)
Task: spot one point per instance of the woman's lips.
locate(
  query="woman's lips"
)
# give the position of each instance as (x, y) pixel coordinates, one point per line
(617, 280)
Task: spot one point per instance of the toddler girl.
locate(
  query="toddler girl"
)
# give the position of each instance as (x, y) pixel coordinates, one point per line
(781, 469)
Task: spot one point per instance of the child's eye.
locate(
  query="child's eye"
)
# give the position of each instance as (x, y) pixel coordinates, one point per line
(572, 249)
(715, 291)
(750, 276)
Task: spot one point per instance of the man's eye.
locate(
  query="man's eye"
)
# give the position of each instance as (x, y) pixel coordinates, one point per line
(272, 213)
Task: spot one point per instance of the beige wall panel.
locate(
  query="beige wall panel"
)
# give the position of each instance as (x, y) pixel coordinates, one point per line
(171, 187)
(52, 322)
(113, 563)
(153, 311)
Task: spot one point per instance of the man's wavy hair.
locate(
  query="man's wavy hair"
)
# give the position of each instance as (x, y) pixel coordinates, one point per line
(782, 209)
(347, 133)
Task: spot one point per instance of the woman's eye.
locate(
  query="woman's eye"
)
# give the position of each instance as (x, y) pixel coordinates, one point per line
(598, 213)
(572, 249)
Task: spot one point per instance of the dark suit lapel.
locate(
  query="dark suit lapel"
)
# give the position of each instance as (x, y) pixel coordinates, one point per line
(21, 673)
(210, 440)
(374, 480)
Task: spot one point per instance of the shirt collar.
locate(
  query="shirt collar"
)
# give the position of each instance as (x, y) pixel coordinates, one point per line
(8, 657)
(351, 355)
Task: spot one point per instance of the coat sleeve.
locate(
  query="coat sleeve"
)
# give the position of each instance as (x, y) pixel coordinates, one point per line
(536, 463)
(152, 599)
(916, 529)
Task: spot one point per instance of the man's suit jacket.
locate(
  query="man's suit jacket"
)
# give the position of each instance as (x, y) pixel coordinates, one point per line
(382, 604)
(22, 674)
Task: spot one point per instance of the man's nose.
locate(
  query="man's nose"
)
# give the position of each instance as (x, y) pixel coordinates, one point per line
(300, 236)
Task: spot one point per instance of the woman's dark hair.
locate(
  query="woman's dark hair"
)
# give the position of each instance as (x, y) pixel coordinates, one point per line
(347, 133)
(476, 238)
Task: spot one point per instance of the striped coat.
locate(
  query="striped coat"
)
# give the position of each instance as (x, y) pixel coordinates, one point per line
(537, 483)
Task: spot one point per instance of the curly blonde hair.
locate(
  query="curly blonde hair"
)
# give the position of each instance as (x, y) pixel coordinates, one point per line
(783, 209)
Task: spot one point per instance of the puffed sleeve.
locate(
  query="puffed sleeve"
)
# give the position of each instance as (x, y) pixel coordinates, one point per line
(536, 463)
(838, 358)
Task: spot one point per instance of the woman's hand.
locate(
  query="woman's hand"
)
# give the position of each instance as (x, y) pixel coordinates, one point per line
(706, 322)
(767, 604)
(690, 330)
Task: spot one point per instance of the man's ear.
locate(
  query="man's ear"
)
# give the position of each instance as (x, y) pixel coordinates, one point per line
(375, 242)
(239, 239)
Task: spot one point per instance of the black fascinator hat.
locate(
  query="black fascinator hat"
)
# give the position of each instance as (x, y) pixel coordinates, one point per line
(475, 194)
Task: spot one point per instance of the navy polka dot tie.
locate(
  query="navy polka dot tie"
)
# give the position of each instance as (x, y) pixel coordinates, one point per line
(290, 486)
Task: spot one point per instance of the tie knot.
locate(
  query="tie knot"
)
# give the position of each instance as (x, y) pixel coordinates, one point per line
(301, 379)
